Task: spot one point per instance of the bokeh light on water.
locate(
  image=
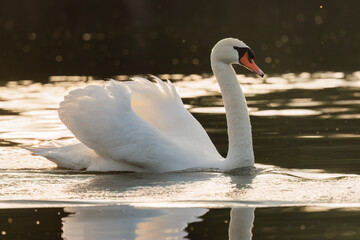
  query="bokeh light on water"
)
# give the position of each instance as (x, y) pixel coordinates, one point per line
(126, 37)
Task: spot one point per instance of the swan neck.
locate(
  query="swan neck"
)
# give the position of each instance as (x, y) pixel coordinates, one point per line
(240, 153)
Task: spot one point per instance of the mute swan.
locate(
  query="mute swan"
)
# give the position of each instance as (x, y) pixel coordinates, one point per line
(143, 126)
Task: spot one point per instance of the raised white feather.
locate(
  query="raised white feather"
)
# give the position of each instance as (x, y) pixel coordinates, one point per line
(139, 125)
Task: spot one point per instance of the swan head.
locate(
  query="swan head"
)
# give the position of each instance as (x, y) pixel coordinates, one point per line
(234, 51)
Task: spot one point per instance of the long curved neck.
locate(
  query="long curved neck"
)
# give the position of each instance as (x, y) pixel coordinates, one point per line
(240, 153)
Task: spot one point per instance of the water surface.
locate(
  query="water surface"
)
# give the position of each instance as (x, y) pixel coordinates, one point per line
(306, 143)
(126, 222)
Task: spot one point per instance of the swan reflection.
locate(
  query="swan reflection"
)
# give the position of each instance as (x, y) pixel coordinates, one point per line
(241, 223)
(127, 222)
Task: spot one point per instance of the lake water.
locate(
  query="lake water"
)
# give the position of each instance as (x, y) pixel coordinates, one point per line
(306, 130)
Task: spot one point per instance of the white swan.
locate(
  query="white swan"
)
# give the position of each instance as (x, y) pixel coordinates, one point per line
(142, 126)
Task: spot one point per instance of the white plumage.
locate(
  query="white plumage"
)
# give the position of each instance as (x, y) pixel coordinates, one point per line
(139, 125)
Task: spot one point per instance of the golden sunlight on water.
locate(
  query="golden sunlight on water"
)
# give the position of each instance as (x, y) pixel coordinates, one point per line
(289, 114)
(271, 188)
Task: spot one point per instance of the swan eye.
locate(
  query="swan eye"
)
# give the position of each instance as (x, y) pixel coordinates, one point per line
(251, 53)
(243, 50)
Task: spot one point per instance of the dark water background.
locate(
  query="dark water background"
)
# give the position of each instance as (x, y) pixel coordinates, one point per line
(105, 38)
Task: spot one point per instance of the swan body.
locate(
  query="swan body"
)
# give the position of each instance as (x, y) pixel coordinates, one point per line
(139, 125)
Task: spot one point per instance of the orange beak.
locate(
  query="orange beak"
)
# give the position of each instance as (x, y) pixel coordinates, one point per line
(250, 64)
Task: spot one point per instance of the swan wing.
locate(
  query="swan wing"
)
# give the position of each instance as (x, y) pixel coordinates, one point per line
(160, 105)
(118, 124)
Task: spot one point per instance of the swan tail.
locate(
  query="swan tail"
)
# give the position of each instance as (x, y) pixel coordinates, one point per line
(39, 151)
(75, 156)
